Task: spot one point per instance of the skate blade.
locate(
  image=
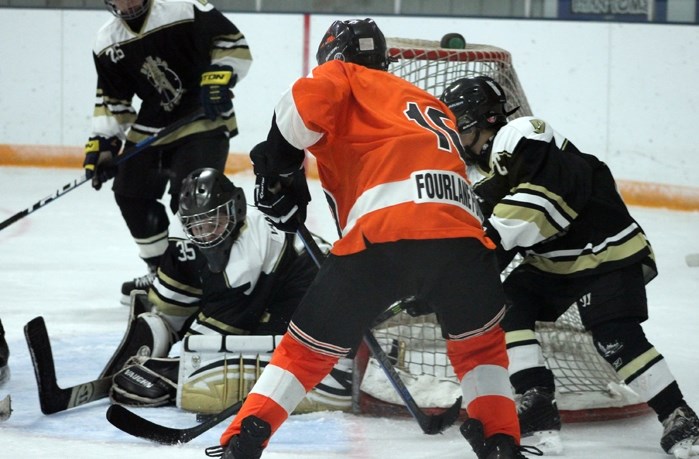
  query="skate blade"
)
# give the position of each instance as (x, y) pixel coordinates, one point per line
(685, 449)
(548, 441)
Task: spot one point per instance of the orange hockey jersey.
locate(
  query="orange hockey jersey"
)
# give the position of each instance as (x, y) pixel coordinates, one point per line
(388, 155)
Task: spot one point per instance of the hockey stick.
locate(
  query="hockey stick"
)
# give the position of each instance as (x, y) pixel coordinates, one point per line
(138, 148)
(53, 398)
(430, 424)
(133, 424)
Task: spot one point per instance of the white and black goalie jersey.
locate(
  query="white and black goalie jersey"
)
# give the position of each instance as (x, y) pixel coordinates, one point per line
(557, 206)
(159, 58)
(266, 275)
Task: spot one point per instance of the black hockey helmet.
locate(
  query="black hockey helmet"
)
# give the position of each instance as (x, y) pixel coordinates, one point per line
(359, 41)
(477, 102)
(211, 207)
(123, 9)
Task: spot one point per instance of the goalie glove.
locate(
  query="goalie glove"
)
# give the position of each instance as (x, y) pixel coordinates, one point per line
(216, 96)
(146, 381)
(99, 163)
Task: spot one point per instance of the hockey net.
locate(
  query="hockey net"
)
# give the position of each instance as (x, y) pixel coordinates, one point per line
(587, 386)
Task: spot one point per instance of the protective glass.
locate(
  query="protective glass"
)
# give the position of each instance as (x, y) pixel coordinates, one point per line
(209, 229)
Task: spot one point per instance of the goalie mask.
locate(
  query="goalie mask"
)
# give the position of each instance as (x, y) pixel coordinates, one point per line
(212, 210)
(128, 9)
(358, 41)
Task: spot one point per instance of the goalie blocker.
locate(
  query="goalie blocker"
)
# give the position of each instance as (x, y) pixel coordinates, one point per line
(214, 372)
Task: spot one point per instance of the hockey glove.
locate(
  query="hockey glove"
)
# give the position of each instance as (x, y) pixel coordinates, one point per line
(216, 95)
(283, 199)
(99, 164)
(146, 381)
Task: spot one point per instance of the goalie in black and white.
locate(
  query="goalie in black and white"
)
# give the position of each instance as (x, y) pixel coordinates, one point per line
(559, 208)
(229, 276)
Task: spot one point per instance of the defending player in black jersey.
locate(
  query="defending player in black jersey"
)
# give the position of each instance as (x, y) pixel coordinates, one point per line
(560, 210)
(176, 56)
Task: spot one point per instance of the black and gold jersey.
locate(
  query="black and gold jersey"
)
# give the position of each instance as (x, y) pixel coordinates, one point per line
(263, 269)
(557, 206)
(159, 60)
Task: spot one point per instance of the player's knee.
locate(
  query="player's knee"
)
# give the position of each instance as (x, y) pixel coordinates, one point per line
(620, 341)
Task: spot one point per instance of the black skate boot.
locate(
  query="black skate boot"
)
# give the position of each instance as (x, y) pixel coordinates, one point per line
(4, 356)
(538, 412)
(498, 446)
(248, 443)
(139, 283)
(681, 433)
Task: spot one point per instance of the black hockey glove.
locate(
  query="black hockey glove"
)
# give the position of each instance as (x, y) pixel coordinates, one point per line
(283, 199)
(99, 163)
(146, 381)
(216, 96)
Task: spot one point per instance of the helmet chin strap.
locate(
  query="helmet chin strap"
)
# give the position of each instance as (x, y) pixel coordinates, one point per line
(482, 157)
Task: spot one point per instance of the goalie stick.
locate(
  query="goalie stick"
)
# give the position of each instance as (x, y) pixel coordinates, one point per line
(138, 148)
(53, 398)
(133, 424)
(430, 424)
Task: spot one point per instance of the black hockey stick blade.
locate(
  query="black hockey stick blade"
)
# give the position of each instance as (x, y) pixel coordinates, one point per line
(430, 424)
(133, 424)
(53, 398)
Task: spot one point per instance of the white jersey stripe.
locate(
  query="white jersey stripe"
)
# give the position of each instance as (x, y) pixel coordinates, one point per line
(424, 186)
(486, 380)
(281, 386)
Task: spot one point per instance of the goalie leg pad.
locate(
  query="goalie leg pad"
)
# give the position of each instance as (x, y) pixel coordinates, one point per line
(218, 371)
(147, 336)
(146, 382)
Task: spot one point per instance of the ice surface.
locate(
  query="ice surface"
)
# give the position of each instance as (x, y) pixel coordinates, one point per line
(67, 261)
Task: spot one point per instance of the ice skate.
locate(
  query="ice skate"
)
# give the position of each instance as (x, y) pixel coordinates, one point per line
(681, 433)
(248, 444)
(498, 446)
(540, 420)
(138, 283)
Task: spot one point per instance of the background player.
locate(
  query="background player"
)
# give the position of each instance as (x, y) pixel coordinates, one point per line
(560, 209)
(175, 56)
(382, 146)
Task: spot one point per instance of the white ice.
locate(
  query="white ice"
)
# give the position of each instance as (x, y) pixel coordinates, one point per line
(66, 262)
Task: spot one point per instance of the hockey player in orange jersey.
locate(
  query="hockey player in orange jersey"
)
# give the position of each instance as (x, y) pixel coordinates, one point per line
(390, 162)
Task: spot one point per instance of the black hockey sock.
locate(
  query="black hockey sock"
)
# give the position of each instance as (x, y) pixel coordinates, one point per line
(532, 377)
(667, 401)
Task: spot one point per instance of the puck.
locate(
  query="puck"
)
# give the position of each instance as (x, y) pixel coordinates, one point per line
(453, 41)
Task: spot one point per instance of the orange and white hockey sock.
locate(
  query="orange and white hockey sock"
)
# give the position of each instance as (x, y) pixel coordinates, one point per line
(293, 370)
(480, 364)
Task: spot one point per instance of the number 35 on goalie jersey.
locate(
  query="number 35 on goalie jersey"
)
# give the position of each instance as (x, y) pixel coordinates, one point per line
(230, 302)
(389, 157)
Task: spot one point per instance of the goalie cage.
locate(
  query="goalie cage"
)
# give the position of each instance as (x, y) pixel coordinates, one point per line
(587, 387)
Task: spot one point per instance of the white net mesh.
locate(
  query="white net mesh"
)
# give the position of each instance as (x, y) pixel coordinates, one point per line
(432, 68)
(586, 383)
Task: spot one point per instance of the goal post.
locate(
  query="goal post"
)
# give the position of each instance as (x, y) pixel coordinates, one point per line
(587, 387)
